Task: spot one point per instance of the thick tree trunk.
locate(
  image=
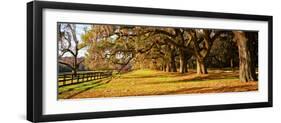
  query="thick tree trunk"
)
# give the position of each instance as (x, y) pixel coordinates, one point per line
(168, 68)
(246, 64)
(185, 70)
(75, 66)
(187, 57)
(201, 68)
(173, 62)
(164, 67)
(173, 66)
(182, 53)
(74, 72)
(183, 65)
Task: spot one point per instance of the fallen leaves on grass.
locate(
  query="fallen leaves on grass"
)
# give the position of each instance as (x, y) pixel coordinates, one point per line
(149, 82)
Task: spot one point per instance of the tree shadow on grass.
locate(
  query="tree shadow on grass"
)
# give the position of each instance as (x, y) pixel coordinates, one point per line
(199, 78)
(85, 88)
(181, 90)
(238, 88)
(80, 86)
(159, 74)
(143, 77)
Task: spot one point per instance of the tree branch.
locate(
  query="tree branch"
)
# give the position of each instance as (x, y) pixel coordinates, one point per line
(66, 64)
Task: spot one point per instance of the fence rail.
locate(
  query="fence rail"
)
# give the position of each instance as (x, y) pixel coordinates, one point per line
(69, 78)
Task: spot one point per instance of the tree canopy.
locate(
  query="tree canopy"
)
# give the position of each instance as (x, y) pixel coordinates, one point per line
(170, 49)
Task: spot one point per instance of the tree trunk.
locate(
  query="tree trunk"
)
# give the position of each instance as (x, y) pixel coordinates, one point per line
(187, 57)
(168, 68)
(246, 64)
(173, 66)
(173, 62)
(231, 63)
(75, 66)
(182, 62)
(201, 68)
(164, 67)
(185, 67)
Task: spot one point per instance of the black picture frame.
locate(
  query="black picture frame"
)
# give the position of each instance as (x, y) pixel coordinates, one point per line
(35, 69)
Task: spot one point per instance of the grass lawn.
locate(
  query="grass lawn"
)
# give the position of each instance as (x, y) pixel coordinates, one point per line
(150, 82)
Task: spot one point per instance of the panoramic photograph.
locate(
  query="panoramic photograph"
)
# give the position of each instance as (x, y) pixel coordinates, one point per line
(105, 60)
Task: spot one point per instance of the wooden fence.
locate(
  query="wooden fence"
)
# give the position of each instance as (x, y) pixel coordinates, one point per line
(69, 78)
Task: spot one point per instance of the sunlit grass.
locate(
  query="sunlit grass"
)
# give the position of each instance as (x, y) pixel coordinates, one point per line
(150, 82)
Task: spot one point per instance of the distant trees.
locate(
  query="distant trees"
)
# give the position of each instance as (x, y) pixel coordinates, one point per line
(224, 53)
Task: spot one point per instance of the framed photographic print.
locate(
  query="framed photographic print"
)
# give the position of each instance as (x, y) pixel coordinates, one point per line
(95, 61)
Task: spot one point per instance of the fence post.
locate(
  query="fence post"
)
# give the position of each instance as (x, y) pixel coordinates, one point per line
(95, 75)
(77, 78)
(72, 78)
(64, 80)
